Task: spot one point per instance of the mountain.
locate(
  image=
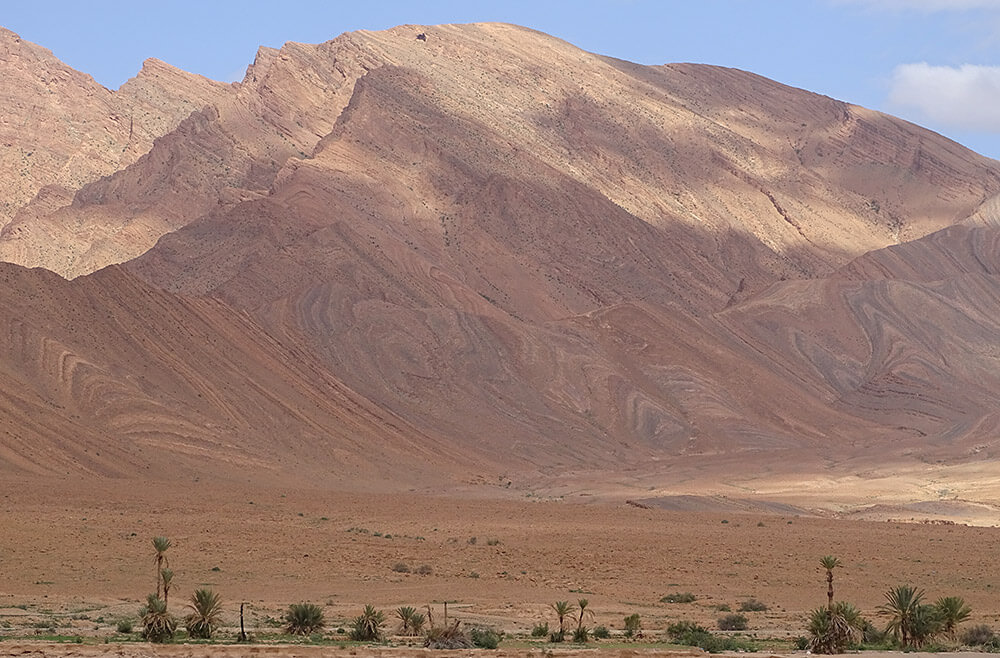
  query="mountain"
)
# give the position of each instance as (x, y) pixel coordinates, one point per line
(487, 256)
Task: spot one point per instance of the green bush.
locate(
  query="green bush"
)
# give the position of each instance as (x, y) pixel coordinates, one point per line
(401, 567)
(485, 638)
(689, 634)
(678, 597)
(581, 635)
(678, 630)
(124, 626)
(633, 626)
(304, 619)
(557, 636)
(732, 622)
(540, 630)
(752, 605)
(601, 633)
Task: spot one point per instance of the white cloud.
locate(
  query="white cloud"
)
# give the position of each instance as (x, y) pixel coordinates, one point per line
(966, 97)
(922, 5)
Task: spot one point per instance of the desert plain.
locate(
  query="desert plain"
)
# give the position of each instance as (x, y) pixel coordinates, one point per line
(76, 558)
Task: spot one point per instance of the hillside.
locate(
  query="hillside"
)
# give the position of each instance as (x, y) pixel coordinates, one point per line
(491, 257)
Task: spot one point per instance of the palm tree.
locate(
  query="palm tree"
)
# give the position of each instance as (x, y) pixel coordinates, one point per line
(832, 629)
(581, 631)
(562, 609)
(829, 563)
(304, 619)
(368, 626)
(157, 624)
(405, 614)
(417, 623)
(206, 608)
(903, 604)
(167, 576)
(161, 544)
(952, 611)
(925, 625)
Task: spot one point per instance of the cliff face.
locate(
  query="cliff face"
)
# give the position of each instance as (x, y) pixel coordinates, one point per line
(60, 128)
(493, 246)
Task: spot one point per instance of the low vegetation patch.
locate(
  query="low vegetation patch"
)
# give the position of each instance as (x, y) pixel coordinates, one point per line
(678, 597)
(732, 622)
(485, 638)
(633, 626)
(690, 634)
(753, 605)
(540, 630)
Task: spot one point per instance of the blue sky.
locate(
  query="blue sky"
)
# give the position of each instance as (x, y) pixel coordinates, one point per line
(934, 62)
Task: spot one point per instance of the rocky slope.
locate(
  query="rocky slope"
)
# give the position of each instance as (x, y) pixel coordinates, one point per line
(516, 256)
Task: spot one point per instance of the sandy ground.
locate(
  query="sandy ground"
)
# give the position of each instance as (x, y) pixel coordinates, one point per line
(77, 558)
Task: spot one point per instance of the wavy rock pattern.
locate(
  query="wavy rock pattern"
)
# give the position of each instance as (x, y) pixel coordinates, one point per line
(435, 261)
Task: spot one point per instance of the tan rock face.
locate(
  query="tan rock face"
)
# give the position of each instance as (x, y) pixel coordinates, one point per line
(60, 127)
(493, 246)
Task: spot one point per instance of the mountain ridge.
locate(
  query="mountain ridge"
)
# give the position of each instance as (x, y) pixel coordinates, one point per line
(518, 257)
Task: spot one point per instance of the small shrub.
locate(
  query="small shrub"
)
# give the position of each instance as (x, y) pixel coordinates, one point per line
(633, 626)
(874, 636)
(424, 570)
(732, 622)
(678, 630)
(601, 633)
(485, 638)
(124, 626)
(557, 636)
(722, 607)
(977, 636)
(401, 567)
(447, 637)
(678, 597)
(581, 635)
(753, 605)
(472, 541)
(801, 643)
(304, 619)
(540, 630)
(493, 542)
(692, 635)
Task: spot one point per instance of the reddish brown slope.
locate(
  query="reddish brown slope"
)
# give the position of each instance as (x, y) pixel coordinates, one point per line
(109, 376)
(442, 272)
